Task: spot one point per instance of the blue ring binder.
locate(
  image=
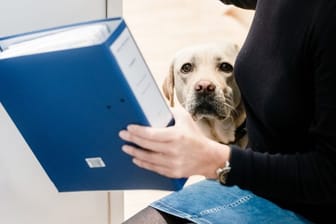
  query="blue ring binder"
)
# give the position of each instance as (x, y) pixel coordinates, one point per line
(67, 105)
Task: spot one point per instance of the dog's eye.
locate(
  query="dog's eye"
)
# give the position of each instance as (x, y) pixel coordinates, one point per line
(186, 68)
(225, 67)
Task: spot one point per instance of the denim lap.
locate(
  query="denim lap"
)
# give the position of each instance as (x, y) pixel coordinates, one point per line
(210, 202)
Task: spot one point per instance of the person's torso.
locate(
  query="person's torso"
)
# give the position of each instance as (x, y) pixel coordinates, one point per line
(274, 71)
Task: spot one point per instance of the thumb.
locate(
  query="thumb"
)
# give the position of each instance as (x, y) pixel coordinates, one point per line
(181, 115)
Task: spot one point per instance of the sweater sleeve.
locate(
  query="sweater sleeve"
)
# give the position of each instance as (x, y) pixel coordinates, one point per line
(244, 4)
(310, 176)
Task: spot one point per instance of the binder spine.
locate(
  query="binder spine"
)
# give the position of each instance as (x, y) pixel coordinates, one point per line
(127, 90)
(141, 81)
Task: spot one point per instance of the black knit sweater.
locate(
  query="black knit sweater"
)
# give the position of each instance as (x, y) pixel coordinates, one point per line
(286, 70)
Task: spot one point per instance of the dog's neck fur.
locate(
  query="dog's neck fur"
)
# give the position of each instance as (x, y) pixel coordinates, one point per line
(219, 130)
(224, 131)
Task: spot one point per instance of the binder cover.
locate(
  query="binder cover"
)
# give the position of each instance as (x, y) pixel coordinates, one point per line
(70, 103)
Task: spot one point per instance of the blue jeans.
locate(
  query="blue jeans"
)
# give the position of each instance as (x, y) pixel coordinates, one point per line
(210, 202)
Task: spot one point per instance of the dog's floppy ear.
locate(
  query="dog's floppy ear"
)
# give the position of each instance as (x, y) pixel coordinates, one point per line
(235, 49)
(168, 85)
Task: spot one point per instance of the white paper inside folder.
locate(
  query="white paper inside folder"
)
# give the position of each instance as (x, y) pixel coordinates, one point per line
(67, 38)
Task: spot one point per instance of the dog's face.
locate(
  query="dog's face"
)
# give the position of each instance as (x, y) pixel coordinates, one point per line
(202, 77)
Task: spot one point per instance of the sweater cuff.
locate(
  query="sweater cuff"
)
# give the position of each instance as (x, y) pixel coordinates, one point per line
(240, 163)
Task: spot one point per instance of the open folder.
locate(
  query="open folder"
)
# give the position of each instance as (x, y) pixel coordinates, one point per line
(70, 90)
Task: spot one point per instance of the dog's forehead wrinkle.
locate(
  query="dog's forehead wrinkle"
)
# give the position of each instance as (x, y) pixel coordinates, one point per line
(223, 59)
(182, 60)
(218, 59)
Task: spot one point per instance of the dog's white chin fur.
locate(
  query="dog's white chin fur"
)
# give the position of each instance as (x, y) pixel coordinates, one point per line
(198, 117)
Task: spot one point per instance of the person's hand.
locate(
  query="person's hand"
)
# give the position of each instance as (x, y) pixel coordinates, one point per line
(178, 151)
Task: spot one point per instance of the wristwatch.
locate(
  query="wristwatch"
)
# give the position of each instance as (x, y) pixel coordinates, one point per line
(222, 173)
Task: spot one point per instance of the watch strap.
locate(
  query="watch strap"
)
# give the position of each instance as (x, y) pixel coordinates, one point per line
(222, 173)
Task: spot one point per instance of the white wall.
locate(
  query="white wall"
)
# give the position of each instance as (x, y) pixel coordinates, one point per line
(19, 16)
(114, 8)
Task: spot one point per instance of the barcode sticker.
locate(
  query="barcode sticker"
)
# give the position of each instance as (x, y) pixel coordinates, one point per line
(95, 162)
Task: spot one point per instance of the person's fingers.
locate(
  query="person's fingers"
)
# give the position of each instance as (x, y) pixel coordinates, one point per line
(144, 141)
(145, 155)
(162, 170)
(155, 162)
(151, 133)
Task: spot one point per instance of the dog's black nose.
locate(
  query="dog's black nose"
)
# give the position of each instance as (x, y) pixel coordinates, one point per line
(204, 86)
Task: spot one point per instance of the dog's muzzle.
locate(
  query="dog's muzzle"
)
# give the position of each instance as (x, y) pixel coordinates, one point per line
(208, 101)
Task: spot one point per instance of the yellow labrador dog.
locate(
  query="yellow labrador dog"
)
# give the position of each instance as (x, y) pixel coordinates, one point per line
(203, 80)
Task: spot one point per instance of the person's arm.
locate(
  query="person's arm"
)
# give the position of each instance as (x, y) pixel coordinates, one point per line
(244, 4)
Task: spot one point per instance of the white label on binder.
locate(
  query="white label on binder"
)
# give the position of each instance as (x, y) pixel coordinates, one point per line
(95, 162)
(141, 80)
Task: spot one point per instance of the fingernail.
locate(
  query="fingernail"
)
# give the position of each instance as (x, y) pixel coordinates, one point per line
(132, 127)
(125, 149)
(123, 134)
(137, 162)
